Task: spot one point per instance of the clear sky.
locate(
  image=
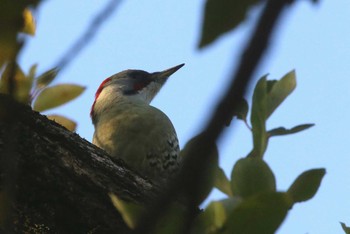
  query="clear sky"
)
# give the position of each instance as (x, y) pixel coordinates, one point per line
(154, 35)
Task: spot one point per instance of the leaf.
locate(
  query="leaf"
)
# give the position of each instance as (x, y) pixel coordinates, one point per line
(11, 22)
(279, 91)
(258, 119)
(221, 16)
(172, 220)
(345, 228)
(199, 183)
(32, 71)
(57, 95)
(46, 78)
(251, 176)
(22, 85)
(306, 185)
(130, 212)
(241, 111)
(28, 22)
(222, 183)
(259, 214)
(283, 131)
(214, 216)
(64, 121)
(8, 49)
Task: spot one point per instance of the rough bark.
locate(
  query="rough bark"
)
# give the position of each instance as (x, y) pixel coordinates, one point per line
(61, 181)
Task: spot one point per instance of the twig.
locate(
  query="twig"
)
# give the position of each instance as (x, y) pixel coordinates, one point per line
(88, 35)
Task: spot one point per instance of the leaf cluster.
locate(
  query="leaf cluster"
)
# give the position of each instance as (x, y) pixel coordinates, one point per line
(30, 88)
(253, 203)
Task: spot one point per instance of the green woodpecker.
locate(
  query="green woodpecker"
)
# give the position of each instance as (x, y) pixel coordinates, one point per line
(127, 127)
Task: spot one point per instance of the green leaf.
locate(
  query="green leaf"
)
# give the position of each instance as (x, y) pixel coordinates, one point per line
(46, 78)
(8, 47)
(214, 216)
(242, 109)
(260, 214)
(199, 183)
(64, 121)
(22, 84)
(306, 185)
(222, 183)
(173, 220)
(12, 21)
(251, 176)
(283, 131)
(57, 95)
(345, 228)
(258, 119)
(279, 91)
(130, 212)
(32, 71)
(221, 16)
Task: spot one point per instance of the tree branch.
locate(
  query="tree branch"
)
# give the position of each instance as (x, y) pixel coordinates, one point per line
(88, 35)
(63, 181)
(199, 154)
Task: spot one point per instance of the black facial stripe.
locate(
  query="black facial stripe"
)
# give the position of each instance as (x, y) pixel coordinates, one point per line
(129, 92)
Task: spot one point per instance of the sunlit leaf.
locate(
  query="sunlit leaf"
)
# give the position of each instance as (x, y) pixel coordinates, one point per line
(130, 212)
(28, 22)
(283, 131)
(279, 91)
(57, 95)
(221, 16)
(222, 183)
(46, 78)
(13, 18)
(260, 214)
(251, 176)
(258, 117)
(306, 185)
(214, 216)
(64, 121)
(345, 228)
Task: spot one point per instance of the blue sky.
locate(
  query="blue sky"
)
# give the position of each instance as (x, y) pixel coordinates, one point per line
(154, 35)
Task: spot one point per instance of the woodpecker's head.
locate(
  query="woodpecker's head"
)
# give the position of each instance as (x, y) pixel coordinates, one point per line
(129, 85)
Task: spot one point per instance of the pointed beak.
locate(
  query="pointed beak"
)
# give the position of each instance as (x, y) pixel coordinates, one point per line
(162, 76)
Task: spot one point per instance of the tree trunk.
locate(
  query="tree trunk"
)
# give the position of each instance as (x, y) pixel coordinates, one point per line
(57, 182)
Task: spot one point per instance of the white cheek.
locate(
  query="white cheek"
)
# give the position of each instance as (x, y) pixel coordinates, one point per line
(107, 97)
(149, 92)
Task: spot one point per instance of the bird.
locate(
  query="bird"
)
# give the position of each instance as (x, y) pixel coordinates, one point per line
(129, 128)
